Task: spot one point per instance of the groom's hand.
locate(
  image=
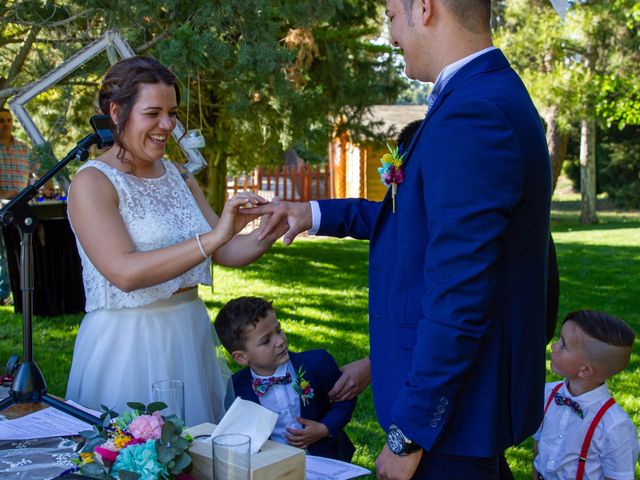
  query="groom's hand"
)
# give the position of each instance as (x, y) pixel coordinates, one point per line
(390, 466)
(297, 215)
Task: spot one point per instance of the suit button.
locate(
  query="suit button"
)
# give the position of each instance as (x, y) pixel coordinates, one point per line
(434, 424)
(437, 416)
(444, 401)
(440, 409)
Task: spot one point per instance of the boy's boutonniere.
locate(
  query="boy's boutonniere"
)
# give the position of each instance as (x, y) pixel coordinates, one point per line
(391, 172)
(302, 387)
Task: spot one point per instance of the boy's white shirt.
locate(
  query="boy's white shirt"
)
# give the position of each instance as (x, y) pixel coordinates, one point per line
(614, 448)
(283, 400)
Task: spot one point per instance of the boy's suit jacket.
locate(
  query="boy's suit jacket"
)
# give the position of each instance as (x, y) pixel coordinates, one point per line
(457, 274)
(321, 372)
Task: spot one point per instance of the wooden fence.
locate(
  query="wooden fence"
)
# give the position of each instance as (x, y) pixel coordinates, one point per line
(296, 184)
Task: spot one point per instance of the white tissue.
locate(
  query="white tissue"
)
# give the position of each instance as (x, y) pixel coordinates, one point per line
(250, 419)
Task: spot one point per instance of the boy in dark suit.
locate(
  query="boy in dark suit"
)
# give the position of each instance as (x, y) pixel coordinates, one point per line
(293, 385)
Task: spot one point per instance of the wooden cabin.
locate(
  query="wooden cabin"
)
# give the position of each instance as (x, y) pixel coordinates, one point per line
(354, 167)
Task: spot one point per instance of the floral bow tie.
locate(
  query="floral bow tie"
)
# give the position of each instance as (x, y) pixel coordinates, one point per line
(261, 385)
(566, 401)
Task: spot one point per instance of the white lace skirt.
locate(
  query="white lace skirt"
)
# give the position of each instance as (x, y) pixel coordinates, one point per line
(118, 354)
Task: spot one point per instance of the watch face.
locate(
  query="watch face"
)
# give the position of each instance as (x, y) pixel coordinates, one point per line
(395, 441)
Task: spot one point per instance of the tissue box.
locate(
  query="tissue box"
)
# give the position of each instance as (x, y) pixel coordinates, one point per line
(274, 460)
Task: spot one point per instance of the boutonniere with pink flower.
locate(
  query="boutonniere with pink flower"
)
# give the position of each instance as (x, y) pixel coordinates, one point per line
(302, 387)
(139, 444)
(391, 172)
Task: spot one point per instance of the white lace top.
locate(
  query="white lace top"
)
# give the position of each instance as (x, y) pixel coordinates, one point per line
(158, 212)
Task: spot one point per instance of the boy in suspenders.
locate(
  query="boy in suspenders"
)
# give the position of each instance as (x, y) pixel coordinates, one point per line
(585, 434)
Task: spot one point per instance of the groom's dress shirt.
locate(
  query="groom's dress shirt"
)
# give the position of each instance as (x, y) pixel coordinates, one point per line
(614, 448)
(442, 79)
(283, 400)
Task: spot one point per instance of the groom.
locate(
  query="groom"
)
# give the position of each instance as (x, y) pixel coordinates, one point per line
(457, 274)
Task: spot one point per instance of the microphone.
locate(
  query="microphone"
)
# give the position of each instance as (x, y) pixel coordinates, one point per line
(102, 126)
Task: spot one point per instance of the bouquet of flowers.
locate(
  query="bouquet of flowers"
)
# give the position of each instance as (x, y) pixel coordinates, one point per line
(140, 444)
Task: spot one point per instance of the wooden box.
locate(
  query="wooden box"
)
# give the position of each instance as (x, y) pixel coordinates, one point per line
(273, 461)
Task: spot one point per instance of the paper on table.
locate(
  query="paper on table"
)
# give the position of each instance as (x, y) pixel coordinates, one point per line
(45, 423)
(250, 419)
(320, 468)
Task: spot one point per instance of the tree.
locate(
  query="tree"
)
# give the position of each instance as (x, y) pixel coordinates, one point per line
(593, 56)
(269, 74)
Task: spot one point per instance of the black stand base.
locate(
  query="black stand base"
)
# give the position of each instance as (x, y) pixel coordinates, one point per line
(29, 387)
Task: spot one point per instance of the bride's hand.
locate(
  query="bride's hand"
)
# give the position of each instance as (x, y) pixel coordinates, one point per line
(230, 222)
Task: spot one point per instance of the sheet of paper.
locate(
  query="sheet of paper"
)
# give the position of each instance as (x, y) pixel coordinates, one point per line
(248, 418)
(45, 423)
(320, 468)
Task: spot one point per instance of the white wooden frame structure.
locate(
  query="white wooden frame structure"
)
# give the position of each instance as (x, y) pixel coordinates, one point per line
(114, 44)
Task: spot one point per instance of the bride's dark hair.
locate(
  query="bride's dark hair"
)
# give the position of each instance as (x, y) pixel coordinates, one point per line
(121, 85)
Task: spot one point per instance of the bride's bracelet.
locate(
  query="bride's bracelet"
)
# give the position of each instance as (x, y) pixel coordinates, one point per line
(204, 254)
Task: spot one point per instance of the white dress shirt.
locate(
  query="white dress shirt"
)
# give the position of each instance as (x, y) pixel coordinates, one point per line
(283, 400)
(614, 447)
(443, 78)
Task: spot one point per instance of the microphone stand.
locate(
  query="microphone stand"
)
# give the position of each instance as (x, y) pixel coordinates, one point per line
(28, 385)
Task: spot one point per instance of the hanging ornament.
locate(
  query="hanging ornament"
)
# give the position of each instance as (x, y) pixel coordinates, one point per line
(193, 138)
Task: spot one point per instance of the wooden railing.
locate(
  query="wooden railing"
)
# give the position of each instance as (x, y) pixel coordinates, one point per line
(296, 184)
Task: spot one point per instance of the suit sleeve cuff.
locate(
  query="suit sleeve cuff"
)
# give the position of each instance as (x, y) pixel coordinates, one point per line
(316, 217)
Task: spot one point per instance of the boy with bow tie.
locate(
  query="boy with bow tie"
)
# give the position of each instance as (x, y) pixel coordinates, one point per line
(585, 434)
(293, 385)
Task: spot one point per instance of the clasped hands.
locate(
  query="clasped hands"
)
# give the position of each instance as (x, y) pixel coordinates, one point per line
(279, 217)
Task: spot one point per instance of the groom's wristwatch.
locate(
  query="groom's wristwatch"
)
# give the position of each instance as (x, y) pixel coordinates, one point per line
(398, 442)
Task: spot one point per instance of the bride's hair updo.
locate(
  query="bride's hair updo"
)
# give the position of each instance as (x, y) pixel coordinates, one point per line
(121, 86)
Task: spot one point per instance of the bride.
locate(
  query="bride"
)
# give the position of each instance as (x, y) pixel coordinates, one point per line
(146, 236)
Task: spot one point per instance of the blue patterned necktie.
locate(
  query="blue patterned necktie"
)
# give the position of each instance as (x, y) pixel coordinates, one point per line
(567, 402)
(261, 385)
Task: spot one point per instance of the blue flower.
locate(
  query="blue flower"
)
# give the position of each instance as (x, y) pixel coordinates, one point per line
(141, 459)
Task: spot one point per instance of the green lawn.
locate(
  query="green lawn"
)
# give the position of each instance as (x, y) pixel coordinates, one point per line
(319, 289)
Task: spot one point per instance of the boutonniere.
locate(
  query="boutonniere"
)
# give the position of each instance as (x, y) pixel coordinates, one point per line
(391, 172)
(302, 387)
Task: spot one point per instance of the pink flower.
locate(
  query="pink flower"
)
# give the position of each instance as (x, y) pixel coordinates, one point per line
(147, 426)
(107, 454)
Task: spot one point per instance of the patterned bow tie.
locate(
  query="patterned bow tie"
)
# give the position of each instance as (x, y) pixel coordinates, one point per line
(261, 385)
(566, 401)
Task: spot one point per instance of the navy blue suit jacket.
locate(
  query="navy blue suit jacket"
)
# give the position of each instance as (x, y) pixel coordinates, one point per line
(321, 372)
(457, 275)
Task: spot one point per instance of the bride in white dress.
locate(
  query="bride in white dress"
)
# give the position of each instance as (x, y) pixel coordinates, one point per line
(146, 236)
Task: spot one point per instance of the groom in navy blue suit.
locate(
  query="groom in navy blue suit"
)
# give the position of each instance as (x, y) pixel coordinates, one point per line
(457, 273)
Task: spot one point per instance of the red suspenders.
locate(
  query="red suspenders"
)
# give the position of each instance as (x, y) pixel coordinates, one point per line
(582, 460)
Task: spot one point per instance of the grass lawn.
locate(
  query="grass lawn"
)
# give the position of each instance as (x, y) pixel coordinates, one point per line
(319, 289)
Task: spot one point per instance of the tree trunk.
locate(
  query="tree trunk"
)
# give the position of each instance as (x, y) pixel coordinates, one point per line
(588, 171)
(557, 143)
(217, 182)
(18, 62)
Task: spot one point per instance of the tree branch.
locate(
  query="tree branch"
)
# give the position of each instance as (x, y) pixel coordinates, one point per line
(59, 23)
(152, 42)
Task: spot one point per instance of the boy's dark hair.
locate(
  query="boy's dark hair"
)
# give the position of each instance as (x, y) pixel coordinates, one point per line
(4, 109)
(407, 133)
(235, 318)
(603, 327)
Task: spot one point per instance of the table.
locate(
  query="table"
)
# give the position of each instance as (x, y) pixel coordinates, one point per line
(57, 268)
(33, 459)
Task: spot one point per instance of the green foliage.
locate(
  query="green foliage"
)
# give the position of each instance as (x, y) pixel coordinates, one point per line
(265, 75)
